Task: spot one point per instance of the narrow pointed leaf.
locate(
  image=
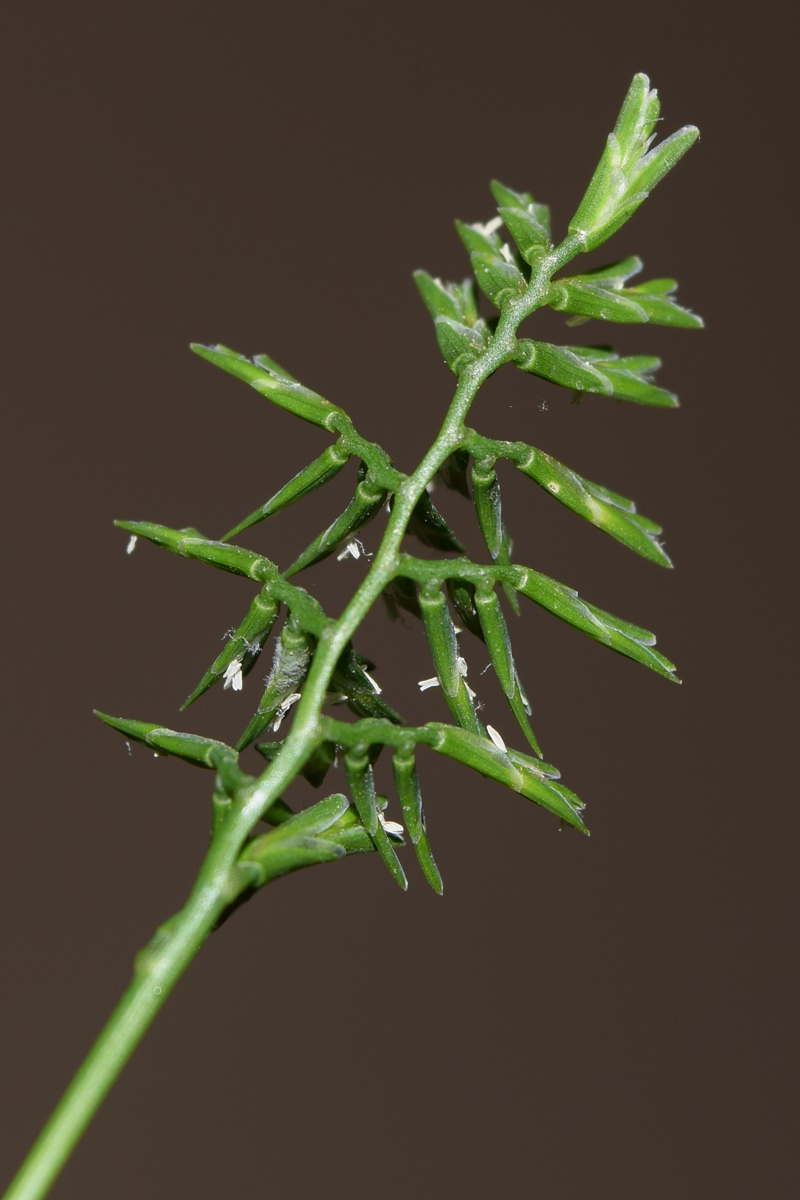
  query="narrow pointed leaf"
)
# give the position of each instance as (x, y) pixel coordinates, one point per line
(466, 302)
(478, 752)
(654, 297)
(595, 369)
(315, 475)
(453, 300)
(447, 661)
(441, 636)
(188, 746)
(460, 344)
(350, 834)
(629, 383)
(589, 298)
(562, 365)
(362, 788)
(486, 494)
(245, 644)
(627, 172)
(606, 509)
(272, 381)
(318, 764)
(480, 239)
(453, 472)
(652, 168)
(406, 781)
(512, 769)
(278, 853)
(401, 593)
(489, 510)
(495, 634)
(636, 120)
(600, 201)
(429, 526)
(540, 786)
(506, 195)
(428, 864)
(364, 506)
(498, 278)
(612, 275)
(625, 145)
(387, 852)
(462, 597)
(530, 234)
(291, 660)
(217, 554)
(619, 635)
(351, 680)
(504, 560)
(521, 708)
(269, 364)
(511, 200)
(314, 821)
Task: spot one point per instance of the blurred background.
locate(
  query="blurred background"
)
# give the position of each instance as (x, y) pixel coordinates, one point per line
(576, 1018)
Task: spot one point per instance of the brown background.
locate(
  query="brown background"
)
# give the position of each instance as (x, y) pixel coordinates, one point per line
(577, 1018)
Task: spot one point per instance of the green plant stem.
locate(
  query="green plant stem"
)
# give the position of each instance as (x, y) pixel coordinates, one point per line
(222, 877)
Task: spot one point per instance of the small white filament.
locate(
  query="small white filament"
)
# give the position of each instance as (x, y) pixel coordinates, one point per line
(495, 736)
(375, 686)
(353, 549)
(424, 684)
(233, 675)
(390, 826)
(284, 708)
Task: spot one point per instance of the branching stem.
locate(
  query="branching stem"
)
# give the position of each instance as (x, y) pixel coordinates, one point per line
(223, 877)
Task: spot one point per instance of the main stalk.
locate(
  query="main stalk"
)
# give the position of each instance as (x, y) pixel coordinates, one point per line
(222, 878)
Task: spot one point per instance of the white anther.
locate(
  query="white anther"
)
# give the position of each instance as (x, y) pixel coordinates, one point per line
(284, 708)
(462, 666)
(353, 549)
(131, 546)
(505, 250)
(424, 684)
(375, 686)
(490, 226)
(470, 692)
(233, 675)
(390, 826)
(495, 736)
